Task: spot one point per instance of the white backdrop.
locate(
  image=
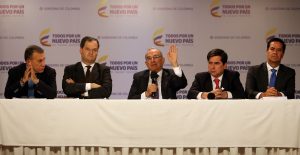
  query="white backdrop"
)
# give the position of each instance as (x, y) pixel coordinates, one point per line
(127, 28)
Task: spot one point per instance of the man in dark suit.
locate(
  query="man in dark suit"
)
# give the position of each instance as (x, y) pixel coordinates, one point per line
(157, 82)
(32, 79)
(218, 82)
(271, 78)
(87, 79)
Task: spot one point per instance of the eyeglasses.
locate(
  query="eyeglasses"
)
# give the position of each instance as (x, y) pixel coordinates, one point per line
(155, 57)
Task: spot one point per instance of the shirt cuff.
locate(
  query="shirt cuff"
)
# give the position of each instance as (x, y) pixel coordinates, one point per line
(229, 94)
(143, 96)
(282, 94)
(257, 96)
(87, 88)
(177, 71)
(199, 96)
(22, 84)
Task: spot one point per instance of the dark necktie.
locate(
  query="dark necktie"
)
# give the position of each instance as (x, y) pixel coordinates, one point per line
(156, 94)
(217, 83)
(273, 78)
(88, 74)
(30, 89)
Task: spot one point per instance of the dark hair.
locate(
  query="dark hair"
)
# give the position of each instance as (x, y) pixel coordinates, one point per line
(30, 50)
(88, 38)
(218, 52)
(277, 40)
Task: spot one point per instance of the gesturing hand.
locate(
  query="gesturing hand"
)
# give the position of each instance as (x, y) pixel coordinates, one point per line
(172, 55)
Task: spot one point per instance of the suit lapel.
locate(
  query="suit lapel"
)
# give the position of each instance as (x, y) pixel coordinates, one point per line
(80, 76)
(280, 76)
(208, 83)
(95, 72)
(164, 83)
(225, 81)
(264, 77)
(145, 80)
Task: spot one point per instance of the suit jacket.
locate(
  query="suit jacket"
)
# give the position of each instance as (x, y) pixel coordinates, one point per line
(257, 80)
(230, 82)
(46, 88)
(100, 75)
(170, 84)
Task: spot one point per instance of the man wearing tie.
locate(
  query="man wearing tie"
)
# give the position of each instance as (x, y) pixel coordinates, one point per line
(157, 82)
(87, 79)
(271, 78)
(218, 82)
(32, 79)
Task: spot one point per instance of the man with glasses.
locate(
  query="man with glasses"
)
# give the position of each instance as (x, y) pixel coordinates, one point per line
(271, 78)
(87, 79)
(157, 82)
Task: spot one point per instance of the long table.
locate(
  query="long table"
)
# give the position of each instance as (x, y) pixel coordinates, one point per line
(73, 126)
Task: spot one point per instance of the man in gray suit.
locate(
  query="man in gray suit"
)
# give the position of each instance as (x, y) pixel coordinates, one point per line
(271, 78)
(87, 79)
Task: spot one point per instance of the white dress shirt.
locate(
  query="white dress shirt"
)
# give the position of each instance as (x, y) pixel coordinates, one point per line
(87, 85)
(269, 68)
(177, 71)
(214, 86)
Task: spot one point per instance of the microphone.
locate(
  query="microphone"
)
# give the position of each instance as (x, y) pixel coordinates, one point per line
(211, 96)
(154, 77)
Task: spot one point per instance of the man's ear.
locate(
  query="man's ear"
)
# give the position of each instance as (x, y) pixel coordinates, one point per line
(28, 62)
(225, 65)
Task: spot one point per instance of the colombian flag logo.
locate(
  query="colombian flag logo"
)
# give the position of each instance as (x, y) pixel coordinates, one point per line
(44, 37)
(157, 37)
(271, 34)
(215, 8)
(103, 59)
(102, 7)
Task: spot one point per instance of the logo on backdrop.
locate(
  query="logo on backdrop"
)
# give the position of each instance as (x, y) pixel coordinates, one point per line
(44, 37)
(12, 10)
(102, 8)
(121, 66)
(291, 39)
(103, 59)
(123, 8)
(59, 8)
(226, 9)
(182, 94)
(157, 37)
(48, 38)
(239, 65)
(6, 65)
(160, 38)
(215, 9)
(279, 7)
(188, 7)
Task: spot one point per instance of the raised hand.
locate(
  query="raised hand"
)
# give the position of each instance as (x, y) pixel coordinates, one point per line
(172, 55)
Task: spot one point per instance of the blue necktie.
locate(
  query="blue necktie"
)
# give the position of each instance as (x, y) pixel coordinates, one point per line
(30, 89)
(273, 78)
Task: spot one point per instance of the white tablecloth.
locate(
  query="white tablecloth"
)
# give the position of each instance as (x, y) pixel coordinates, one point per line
(150, 123)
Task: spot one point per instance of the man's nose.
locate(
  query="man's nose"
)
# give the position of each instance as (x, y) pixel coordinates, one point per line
(43, 63)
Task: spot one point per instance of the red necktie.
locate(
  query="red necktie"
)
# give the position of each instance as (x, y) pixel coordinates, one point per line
(217, 83)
